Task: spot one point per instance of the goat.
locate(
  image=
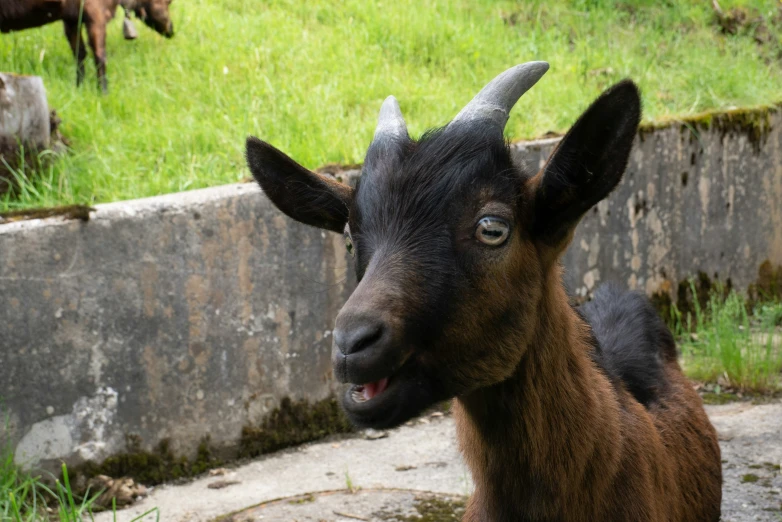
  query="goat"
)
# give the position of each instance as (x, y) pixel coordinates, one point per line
(460, 296)
(16, 15)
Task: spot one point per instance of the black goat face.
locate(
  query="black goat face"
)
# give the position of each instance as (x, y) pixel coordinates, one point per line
(451, 242)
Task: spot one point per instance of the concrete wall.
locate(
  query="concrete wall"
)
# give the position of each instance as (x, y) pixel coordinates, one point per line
(702, 195)
(174, 317)
(195, 314)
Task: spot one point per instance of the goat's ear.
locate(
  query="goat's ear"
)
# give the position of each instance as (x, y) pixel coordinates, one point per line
(305, 196)
(587, 164)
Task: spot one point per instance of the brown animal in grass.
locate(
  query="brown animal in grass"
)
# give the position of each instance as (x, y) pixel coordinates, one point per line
(563, 414)
(16, 15)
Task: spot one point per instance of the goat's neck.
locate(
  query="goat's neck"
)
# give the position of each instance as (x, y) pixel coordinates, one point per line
(540, 434)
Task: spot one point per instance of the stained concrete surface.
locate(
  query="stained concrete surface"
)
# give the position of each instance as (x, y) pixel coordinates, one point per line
(751, 441)
(187, 316)
(424, 457)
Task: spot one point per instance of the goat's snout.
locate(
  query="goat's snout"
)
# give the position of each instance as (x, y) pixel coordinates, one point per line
(356, 337)
(364, 349)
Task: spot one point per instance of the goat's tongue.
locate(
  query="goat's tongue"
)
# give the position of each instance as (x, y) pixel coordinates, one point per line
(373, 389)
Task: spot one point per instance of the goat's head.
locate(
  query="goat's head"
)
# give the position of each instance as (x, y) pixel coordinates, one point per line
(452, 242)
(154, 13)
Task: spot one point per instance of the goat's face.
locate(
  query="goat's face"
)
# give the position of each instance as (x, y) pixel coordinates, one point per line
(451, 243)
(155, 14)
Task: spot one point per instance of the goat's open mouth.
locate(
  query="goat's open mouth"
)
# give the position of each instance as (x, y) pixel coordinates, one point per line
(391, 400)
(366, 392)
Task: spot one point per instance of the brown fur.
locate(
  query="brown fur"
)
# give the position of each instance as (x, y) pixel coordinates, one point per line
(16, 15)
(588, 452)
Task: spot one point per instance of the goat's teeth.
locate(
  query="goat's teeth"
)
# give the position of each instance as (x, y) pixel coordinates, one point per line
(358, 395)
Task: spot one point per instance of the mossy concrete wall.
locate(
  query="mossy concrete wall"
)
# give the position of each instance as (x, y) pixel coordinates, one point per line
(176, 317)
(196, 314)
(699, 195)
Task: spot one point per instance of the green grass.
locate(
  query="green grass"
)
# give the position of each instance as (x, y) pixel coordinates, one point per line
(310, 77)
(28, 498)
(25, 498)
(727, 343)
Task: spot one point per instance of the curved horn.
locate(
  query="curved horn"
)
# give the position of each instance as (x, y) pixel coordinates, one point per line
(390, 122)
(495, 101)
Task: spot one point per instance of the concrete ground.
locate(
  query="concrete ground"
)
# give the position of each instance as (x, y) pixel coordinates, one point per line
(423, 457)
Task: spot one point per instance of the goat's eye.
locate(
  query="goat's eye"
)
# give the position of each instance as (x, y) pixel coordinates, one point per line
(492, 231)
(349, 245)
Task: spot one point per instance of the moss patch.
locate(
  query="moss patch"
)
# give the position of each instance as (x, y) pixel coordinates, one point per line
(698, 290)
(80, 212)
(719, 398)
(305, 499)
(749, 478)
(438, 510)
(148, 468)
(293, 423)
(690, 294)
(754, 123)
(430, 508)
(768, 286)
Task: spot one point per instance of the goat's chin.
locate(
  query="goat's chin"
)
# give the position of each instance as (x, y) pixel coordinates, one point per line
(406, 396)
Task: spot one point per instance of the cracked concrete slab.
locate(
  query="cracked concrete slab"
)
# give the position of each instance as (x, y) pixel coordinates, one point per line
(424, 457)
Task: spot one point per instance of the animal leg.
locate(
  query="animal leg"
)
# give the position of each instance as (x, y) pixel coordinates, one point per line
(96, 32)
(76, 42)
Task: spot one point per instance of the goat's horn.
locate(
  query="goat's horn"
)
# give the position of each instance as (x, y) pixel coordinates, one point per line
(494, 102)
(390, 122)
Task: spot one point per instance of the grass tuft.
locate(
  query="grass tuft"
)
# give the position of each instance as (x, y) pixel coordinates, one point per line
(27, 498)
(729, 344)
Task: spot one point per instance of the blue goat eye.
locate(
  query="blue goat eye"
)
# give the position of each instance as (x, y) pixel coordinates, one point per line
(492, 231)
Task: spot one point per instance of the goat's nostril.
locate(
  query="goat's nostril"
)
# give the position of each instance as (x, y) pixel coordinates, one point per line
(358, 338)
